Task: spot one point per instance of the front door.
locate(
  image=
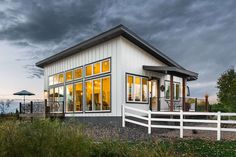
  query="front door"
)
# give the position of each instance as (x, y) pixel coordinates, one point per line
(154, 94)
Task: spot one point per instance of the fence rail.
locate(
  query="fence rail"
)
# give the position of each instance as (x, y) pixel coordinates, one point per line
(147, 116)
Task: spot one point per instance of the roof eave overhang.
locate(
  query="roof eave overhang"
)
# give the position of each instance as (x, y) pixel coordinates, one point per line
(189, 75)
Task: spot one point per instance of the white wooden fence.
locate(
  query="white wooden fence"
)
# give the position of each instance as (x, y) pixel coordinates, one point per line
(128, 112)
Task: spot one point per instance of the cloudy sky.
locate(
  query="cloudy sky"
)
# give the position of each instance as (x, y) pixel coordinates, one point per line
(199, 35)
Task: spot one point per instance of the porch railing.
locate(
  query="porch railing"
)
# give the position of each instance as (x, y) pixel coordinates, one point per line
(191, 104)
(56, 106)
(32, 107)
(147, 119)
(42, 107)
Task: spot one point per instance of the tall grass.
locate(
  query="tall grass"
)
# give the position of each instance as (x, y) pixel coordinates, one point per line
(45, 138)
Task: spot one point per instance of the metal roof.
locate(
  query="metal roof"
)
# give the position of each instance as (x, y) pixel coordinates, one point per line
(173, 70)
(119, 30)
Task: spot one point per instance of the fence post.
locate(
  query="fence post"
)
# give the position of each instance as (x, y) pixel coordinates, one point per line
(20, 108)
(181, 124)
(218, 125)
(31, 106)
(149, 122)
(123, 115)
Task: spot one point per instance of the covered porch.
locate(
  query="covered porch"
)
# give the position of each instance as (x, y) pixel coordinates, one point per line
(174, 92)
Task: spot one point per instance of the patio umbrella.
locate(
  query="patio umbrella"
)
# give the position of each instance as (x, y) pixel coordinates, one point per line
(24, 93)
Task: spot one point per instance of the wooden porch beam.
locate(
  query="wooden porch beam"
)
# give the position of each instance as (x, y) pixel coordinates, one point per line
(183, 93)
(171, 93)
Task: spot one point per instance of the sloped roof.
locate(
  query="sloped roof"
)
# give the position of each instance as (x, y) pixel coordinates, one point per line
(119, 30)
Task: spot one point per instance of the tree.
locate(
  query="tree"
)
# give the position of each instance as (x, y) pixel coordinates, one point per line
(4, 105)
(227, 90)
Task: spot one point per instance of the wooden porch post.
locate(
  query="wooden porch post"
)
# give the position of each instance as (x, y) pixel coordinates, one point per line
(206, 103)
(183, 94)
(171, 93)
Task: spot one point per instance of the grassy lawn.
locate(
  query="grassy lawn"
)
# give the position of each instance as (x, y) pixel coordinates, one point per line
(55, 139)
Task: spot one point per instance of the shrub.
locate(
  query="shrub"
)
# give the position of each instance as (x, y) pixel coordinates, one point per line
(218, 107)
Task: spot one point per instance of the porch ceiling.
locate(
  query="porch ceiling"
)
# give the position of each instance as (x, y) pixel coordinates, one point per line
(173, 71)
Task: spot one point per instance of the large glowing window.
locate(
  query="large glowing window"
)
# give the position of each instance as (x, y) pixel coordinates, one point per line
(144, 89)
(176, 91)
(97, 94)
(61, 78)
(106, 66)
(106, 93)
(78, 73)
(69, 98)
(92, 95)
(96, 68)
(50, 80)
(78, 96)
(130, 88)
(89, 70)
(89, 92)
(56, 79)
(137, 88)
(69, 76)
(167, 90)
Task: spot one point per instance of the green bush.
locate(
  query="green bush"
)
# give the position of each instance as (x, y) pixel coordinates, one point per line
(218, 107)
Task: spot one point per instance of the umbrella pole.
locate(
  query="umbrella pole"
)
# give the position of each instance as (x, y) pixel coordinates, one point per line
(24, 99)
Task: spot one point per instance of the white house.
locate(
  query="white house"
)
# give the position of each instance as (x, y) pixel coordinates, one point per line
(97, 76)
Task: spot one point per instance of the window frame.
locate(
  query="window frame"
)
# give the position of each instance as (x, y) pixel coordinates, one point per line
(179, 98)
(80, 67)
(126, 89)
(101, 73)
(57, 84)
(74, 98)
(72, 72)
(167, 81)
(174, 92)
(92, 80)
(83, 80)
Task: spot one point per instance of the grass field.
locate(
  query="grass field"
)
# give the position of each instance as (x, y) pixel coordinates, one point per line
(54, 139)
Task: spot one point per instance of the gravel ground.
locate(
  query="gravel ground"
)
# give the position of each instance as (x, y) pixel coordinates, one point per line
(133, 132)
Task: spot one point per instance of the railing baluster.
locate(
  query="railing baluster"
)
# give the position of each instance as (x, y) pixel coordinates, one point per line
(149, 122)
(123, 115)
(218, 125)
(181, 124)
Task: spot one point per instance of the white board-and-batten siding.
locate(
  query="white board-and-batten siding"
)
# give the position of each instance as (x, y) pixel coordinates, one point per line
(132, 60)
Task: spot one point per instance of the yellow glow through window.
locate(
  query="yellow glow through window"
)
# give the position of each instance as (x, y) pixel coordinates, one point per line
(89, 70)
(69, 76)
(106, 66)
(96, 68)
(78, 73)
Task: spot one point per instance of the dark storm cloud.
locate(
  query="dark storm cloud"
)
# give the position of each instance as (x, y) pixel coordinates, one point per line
(33, 71)
(200, 35)
(46, 21)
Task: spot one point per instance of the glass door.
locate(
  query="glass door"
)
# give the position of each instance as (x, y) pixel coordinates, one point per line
(154, 94)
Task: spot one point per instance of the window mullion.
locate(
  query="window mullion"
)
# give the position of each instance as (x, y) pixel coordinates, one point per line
(134, 88)
(101, 94)
(92, 95)
(141, 89)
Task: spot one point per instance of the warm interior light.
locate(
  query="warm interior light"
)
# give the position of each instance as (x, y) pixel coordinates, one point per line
(45, 94)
